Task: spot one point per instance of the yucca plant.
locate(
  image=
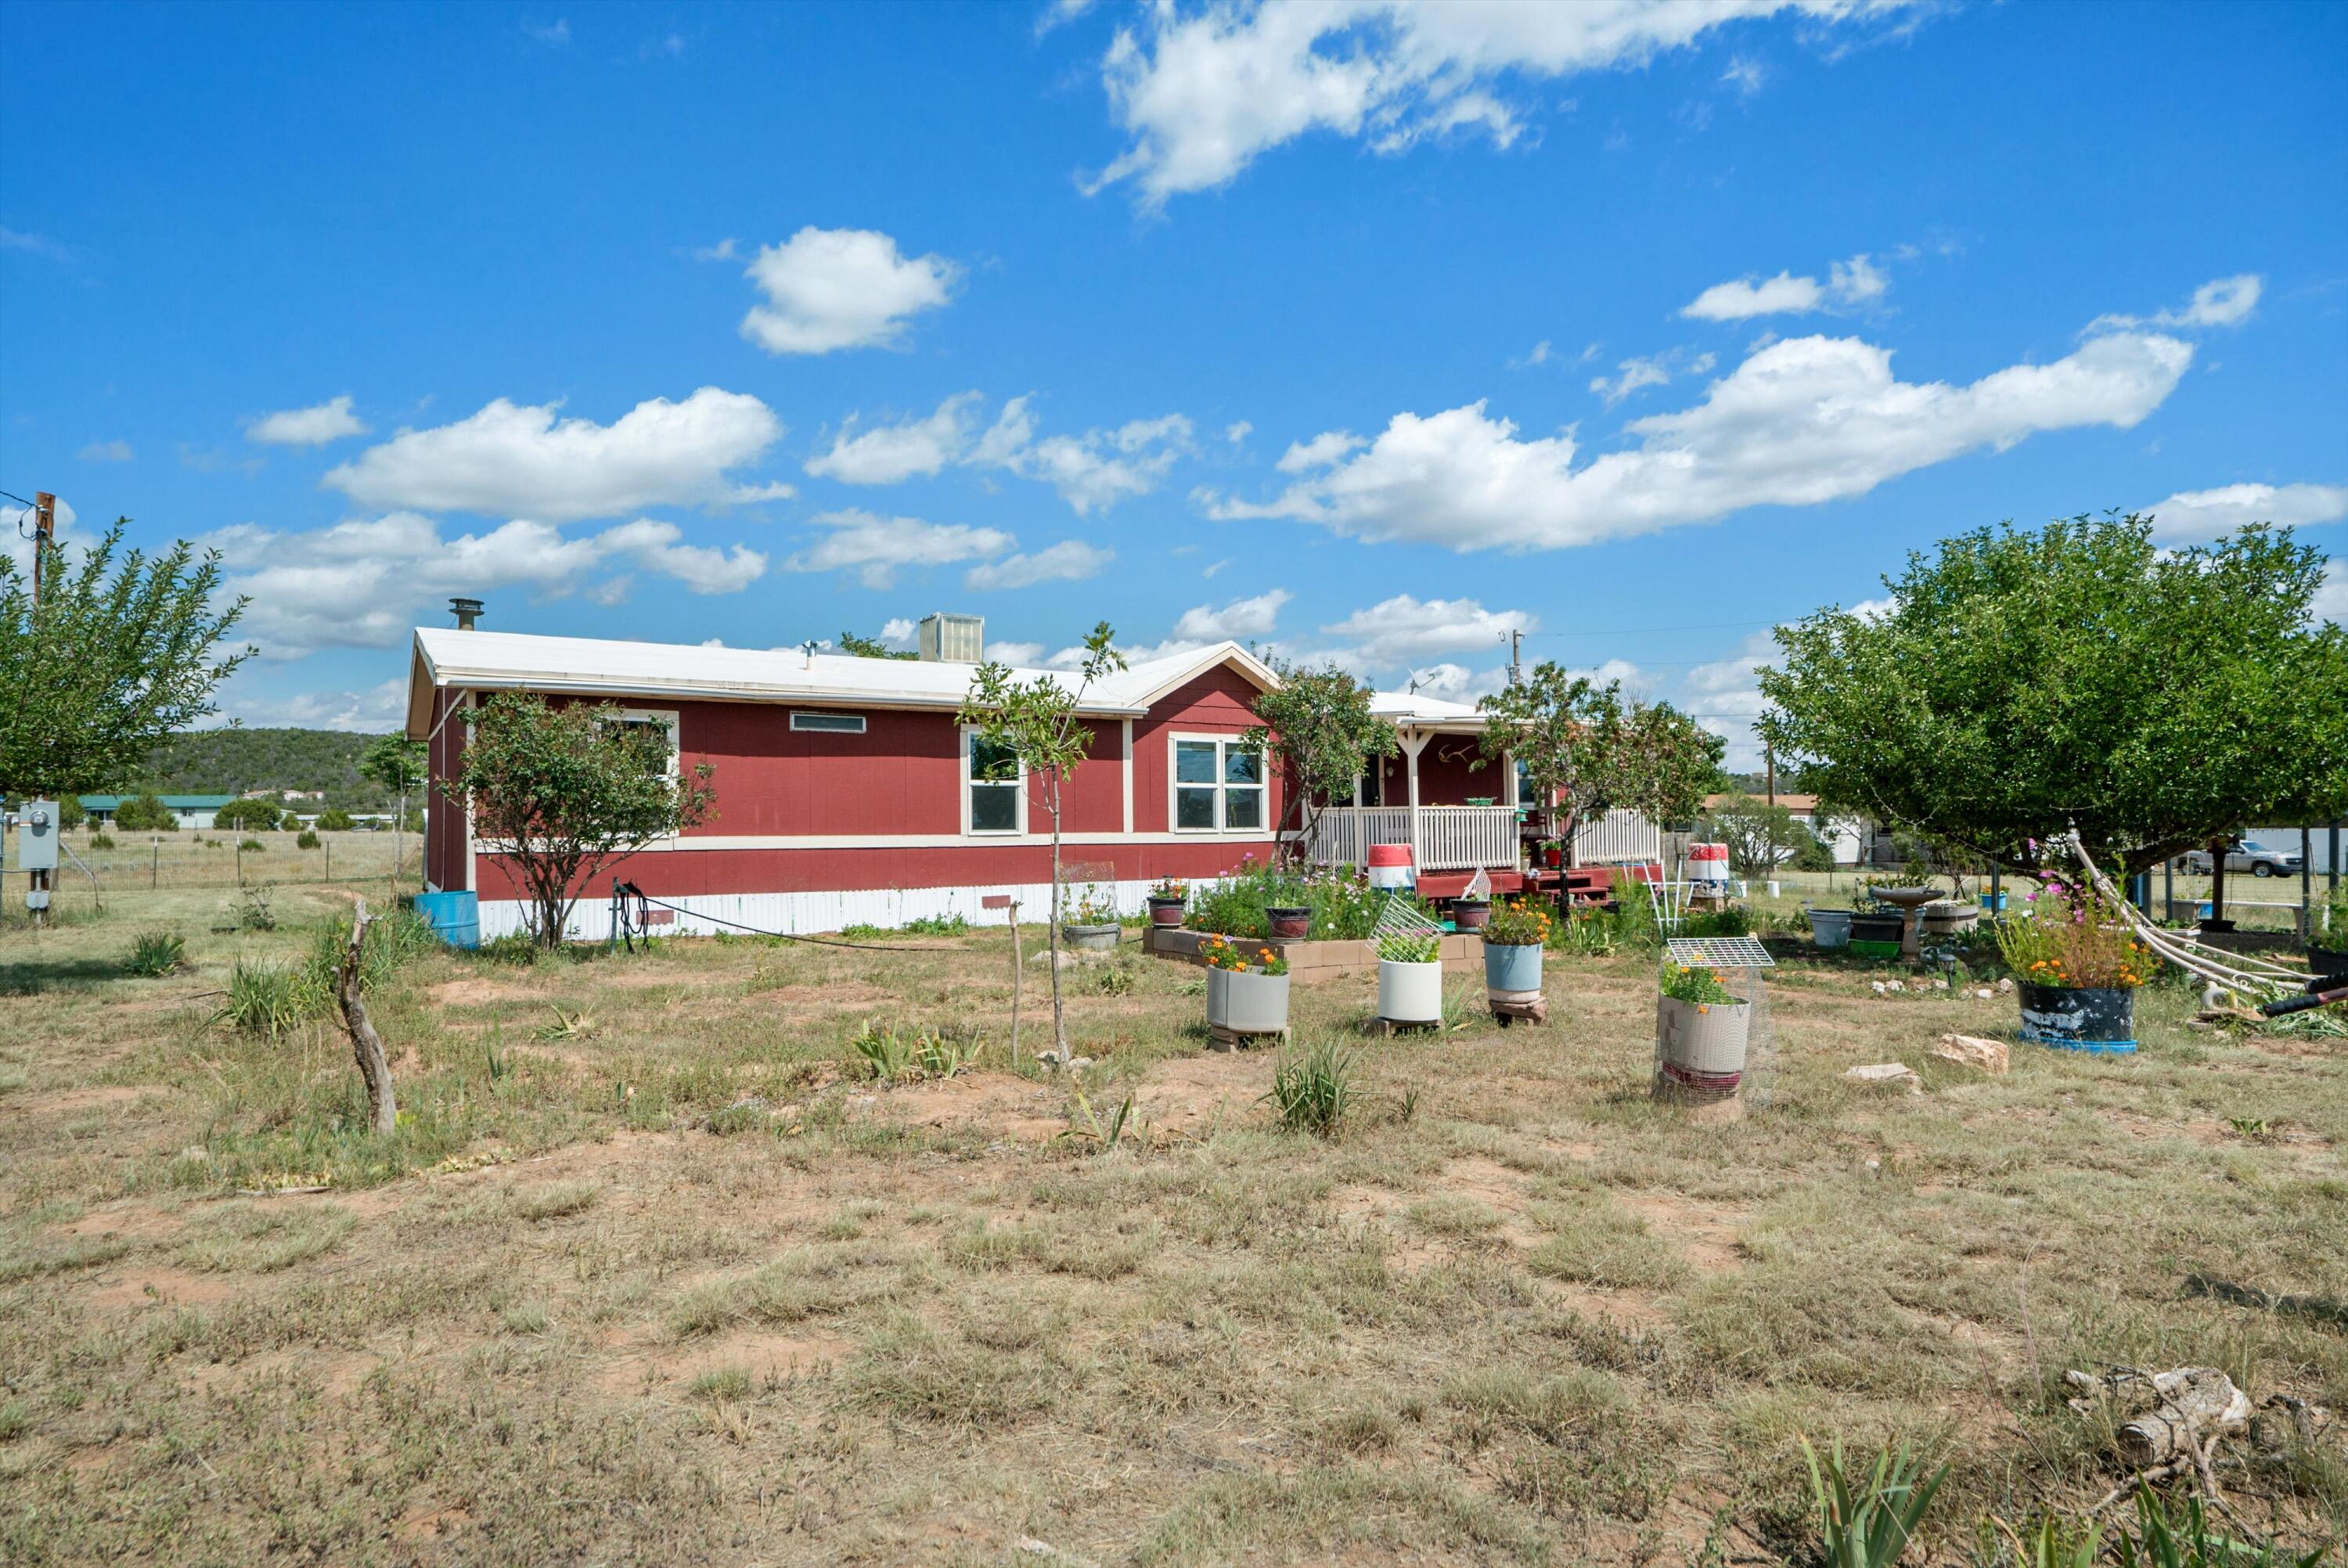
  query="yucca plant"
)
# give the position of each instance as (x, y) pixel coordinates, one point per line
(887, 1054)
(938, 1057)
(2184, 1540)
(1871, 1526)
(1313, 1088)
(157, 953)
(269, 999)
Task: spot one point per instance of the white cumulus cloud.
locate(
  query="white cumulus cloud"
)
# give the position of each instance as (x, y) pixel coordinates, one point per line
(362, 582)
(1800, 421)
(890, 453)
(312, 427)
(1654, 370)
(1092, 472)
(875, 547)
(831, 289)
(1203, 90)
(514, 459)
(2220, 303)
(115, 451)
(1852, 283)
(1070, 561)
(2191, 516)
(1405, 630)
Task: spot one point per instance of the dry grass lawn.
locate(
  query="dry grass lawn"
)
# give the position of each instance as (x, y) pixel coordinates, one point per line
(651, 1274)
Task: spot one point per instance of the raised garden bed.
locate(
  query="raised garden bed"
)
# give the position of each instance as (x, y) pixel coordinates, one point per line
(1311, 961)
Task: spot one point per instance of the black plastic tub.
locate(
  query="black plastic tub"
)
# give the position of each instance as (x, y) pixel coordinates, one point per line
(2100, 1019)
(1865, 928)
(2328, 961)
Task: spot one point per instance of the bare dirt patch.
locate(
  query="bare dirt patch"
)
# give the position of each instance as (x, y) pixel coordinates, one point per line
(1704, 1234)
(131, 1289)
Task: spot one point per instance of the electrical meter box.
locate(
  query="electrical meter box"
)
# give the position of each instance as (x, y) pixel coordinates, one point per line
(36, 835)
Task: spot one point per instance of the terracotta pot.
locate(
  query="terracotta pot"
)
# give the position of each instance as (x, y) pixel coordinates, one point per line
(1165, 912)
(1470, 914)
(1288, 925)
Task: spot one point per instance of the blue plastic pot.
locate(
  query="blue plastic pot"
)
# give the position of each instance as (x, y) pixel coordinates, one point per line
(1512, 968)
(1994, 902)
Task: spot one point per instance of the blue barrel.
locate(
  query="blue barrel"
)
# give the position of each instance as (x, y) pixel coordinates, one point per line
(455, 918)
(1512, 968)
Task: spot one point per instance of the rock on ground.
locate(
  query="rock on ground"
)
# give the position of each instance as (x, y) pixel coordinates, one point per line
(1888, 1075)
(1991, 1056)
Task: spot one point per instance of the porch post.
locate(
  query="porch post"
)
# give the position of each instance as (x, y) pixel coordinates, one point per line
(1411, 745)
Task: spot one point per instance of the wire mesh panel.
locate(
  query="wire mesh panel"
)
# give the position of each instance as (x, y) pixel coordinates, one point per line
(1720, 952)
(1402, 918)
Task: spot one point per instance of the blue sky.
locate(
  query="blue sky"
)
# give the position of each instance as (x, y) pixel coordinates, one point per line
(1366, 332)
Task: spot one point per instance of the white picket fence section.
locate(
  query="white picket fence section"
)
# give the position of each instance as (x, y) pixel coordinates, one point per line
(1447, 838)
(1616, 837)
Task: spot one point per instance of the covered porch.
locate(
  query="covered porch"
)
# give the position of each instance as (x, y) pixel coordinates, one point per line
(1455, 810)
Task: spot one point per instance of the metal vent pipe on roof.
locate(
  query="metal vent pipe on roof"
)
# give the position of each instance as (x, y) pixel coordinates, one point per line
(469, 610)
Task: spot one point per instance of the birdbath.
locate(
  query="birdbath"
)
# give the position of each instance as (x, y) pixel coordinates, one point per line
(1911, 902)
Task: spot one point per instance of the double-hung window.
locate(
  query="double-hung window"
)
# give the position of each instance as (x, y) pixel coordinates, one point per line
(1218, 785)
(662, 723)
(997, 791)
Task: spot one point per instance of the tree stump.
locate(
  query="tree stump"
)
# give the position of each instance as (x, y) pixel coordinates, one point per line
(374, 1066)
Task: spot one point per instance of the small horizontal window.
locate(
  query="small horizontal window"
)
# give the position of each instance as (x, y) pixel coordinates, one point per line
(835, 724)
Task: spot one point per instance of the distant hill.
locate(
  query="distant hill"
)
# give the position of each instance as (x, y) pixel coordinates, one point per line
(230, 761)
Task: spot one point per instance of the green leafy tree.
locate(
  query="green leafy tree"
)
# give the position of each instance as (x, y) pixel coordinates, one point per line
(1663, 765)
(1319, 731)
(564, 791)
(252, 816)
(396, 764)
(144, 813)
(872, 648)
(113, 659)
(1033, 726)
(2024, 680)
(1760, 836)
(333, 820)
(69, 811)
(1562, 731)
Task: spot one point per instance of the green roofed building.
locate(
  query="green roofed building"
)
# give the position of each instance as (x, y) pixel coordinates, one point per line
(194, 811)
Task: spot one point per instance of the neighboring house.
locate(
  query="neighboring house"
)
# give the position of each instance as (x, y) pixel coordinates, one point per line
(844, 788)
(1851, 838)
(194, 811)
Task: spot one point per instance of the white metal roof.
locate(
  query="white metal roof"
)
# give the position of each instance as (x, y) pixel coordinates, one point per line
(497, 660)
(1409, 708)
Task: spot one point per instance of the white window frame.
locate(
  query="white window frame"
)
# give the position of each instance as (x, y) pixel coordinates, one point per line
(969, 736)
(667, 719)
(855, 720)
(1174, 787)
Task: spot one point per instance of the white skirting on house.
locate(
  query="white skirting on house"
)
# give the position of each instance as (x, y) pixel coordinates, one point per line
(807, 914)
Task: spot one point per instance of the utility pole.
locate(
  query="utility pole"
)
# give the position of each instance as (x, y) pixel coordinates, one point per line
(1516, 658)
(45, 528)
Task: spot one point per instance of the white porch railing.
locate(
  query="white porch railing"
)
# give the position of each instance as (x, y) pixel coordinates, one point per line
(1448, 837)
(1618, 837)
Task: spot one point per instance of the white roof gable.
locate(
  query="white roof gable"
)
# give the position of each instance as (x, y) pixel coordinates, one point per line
(495, 661)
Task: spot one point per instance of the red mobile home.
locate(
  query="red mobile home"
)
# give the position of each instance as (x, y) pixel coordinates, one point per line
(844, 789)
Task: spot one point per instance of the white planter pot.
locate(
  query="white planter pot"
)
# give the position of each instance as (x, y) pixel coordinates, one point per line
(1244, 1002)
(1702, 1044)
(1410, 993)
